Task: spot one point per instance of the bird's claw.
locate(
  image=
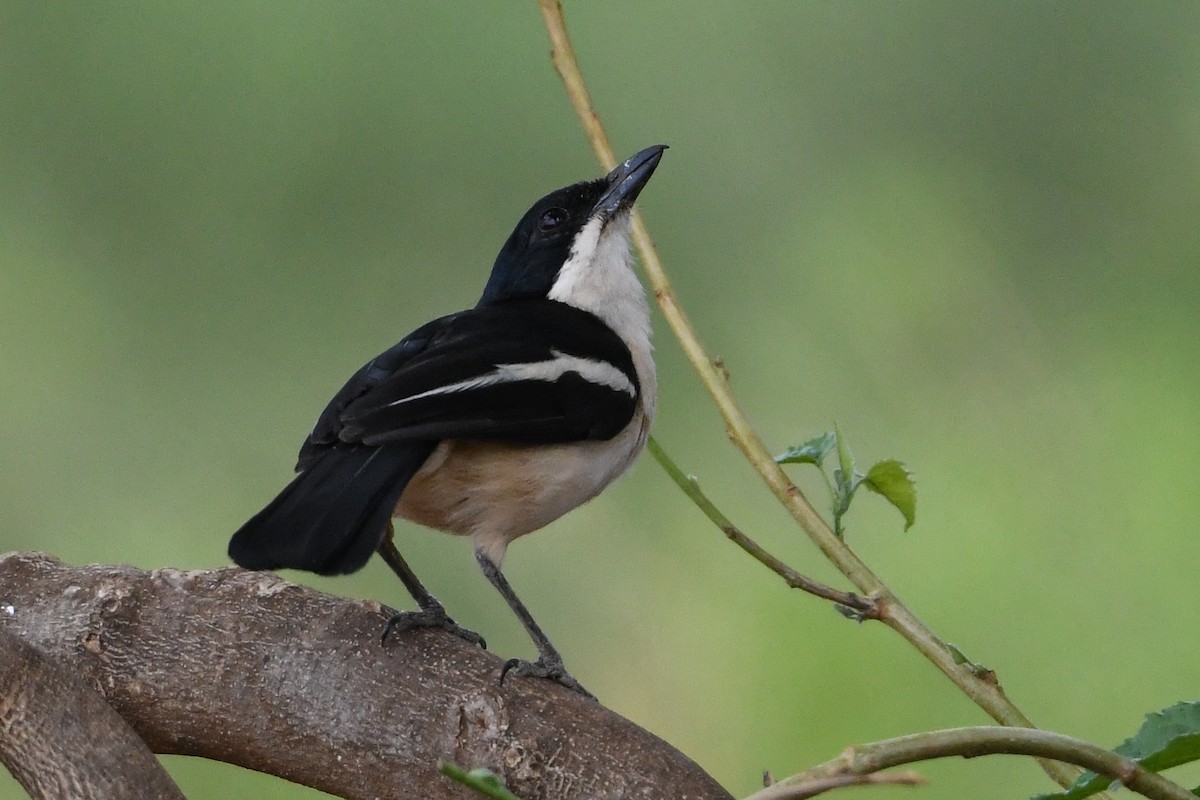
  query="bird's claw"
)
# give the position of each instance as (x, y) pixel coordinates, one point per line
(430, 618)
(551, 669)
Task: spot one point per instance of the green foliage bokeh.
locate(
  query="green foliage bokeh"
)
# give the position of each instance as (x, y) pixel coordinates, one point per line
(965, 232)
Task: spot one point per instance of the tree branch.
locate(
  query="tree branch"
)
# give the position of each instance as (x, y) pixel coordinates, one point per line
(247, 668)
(60, 739)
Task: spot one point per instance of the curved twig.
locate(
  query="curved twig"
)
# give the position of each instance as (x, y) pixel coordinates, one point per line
(816, 786)
(982, 741)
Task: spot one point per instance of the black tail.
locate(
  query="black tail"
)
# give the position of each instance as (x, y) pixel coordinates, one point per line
(333, 515)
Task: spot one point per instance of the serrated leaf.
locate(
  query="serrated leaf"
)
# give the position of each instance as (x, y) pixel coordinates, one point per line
(894, 482)
(811, 452)
(1166, 739)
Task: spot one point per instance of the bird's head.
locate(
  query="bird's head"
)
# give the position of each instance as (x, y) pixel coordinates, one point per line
(567, 243)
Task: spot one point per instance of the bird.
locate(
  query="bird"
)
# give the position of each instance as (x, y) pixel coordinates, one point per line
(491, 422)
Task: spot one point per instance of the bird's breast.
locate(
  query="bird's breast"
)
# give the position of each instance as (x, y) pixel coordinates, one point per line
(498, 491)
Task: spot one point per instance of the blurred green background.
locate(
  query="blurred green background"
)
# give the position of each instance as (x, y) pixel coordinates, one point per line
(966, 232)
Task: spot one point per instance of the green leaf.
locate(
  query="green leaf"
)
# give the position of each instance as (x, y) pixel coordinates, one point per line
(811, 452)
(480, 779)
(959, 656)
(890, 479)
(845, 458)
(1166, 739)
(845, 479)
(846, 487)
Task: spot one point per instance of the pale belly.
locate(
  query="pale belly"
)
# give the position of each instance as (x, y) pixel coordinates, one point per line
(498, 491)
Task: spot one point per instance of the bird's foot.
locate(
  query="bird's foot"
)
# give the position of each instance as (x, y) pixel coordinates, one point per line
(549, 668)
(432, 617)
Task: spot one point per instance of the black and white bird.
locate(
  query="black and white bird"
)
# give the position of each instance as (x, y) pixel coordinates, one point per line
(492, 422)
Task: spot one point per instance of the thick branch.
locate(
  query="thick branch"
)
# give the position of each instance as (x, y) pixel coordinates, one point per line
(247, 668)
(60, 739)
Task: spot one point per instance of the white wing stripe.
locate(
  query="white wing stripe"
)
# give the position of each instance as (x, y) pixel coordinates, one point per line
(590, 369)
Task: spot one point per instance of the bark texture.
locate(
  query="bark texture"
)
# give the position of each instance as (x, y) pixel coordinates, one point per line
(247, 668)
(60, 739)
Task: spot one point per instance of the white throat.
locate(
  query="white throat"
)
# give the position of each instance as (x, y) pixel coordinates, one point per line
(598, 277)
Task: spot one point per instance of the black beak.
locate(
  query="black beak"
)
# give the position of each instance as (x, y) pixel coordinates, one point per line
(626, 181)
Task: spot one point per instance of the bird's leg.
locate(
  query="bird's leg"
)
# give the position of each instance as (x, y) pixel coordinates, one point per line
(549, 663)
(433, 613)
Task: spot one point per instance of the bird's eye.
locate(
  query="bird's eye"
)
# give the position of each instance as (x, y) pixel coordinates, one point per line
(551, 219)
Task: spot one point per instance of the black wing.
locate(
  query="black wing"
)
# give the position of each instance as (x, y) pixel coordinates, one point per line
(524, 370)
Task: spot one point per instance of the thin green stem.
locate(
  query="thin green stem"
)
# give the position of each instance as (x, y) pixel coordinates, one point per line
(981, 741)
(852, 605)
